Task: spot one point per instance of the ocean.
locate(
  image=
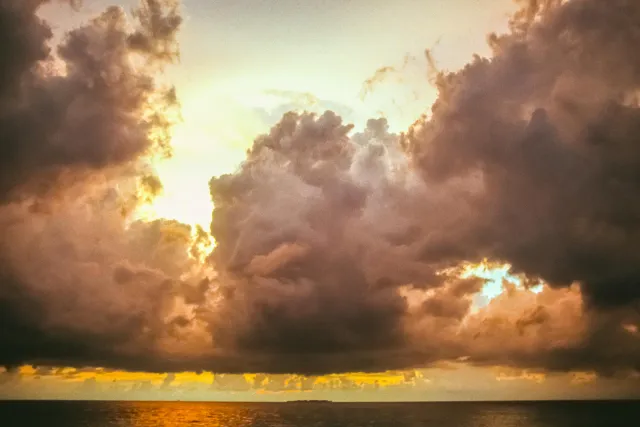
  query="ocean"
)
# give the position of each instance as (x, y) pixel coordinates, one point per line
(494, 414)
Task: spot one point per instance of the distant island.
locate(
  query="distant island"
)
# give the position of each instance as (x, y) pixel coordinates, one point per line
(309, 401)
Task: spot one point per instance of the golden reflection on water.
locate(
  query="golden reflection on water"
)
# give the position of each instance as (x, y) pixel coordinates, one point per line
(175, 414)
(172, 414)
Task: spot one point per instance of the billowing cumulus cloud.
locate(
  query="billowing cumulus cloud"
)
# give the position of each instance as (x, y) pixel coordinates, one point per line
(335, 251)
(92, 109)
(79, 284)
(550, 127)
(527, 158)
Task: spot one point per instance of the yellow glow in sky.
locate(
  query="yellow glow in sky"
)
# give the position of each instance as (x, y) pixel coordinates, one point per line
(211, 140)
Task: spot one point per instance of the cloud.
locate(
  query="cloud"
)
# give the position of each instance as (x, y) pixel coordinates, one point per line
(79, 282)
(285, 101)
(549, 125)
(393, 74)
(101, 111)
(335, 251)
(335, 256)
(233, 383)
(168, 380)
(526, 158)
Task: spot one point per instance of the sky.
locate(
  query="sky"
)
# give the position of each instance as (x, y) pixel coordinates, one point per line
(347, 200)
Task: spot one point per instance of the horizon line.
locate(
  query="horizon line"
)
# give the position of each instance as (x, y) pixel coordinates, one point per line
(626, 399)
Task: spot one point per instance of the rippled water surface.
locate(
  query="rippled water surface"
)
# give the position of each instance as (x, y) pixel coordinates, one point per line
(143, 414)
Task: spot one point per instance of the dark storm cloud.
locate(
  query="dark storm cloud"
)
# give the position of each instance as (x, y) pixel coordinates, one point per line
(526, 158)
(78, 285)
(98, 112)
(289, 265)
(551, 125)
(334, 251)
(333, 255)
(78, 289)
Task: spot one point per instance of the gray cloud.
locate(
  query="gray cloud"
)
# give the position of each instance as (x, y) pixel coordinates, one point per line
(99, 112)
(526, 158)
(78, 284)
(549, 124)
